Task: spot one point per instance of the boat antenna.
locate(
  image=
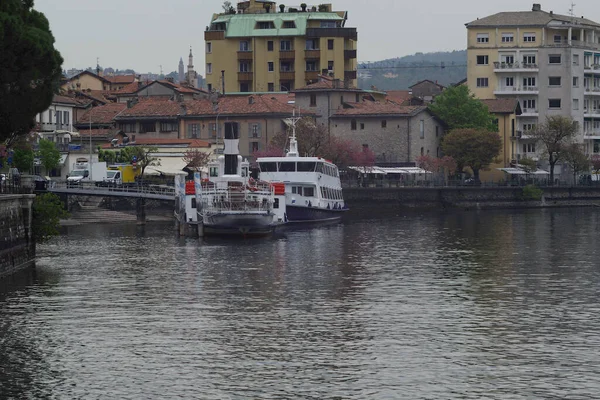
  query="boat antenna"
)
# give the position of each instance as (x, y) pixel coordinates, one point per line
(293, 142)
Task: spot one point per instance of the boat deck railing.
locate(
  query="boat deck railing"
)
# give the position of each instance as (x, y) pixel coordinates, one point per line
(237, 199)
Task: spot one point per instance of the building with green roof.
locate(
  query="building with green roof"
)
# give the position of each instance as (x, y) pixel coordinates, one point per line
(262, 47)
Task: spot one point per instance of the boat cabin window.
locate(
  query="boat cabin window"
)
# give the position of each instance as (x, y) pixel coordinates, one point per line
(214, 171)
(244, 172)
(309, 192)
(268, 167)
(276, 204)
(287, 167)
(306, 166)
(194, 202)
(320, 167)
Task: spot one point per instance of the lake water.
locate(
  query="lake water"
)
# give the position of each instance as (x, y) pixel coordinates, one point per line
(495, 304)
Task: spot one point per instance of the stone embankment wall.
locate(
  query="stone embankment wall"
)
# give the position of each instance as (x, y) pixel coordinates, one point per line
(470, 198)
(17, 247)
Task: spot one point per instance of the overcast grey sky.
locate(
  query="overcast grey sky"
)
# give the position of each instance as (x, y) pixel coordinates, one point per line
(145, 34)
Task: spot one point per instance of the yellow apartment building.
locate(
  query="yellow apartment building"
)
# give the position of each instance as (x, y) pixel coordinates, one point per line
(549, 62)
(265, 48)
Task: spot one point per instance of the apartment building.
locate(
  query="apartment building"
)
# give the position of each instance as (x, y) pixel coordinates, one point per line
(549, 62)
(264, 48)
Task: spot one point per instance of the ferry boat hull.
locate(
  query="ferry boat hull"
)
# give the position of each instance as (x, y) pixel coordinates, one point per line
(240, 225)
(308, 215)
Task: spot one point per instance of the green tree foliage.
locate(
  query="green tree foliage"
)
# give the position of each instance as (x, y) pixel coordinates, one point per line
(48, 154)
(47, 212)
(459, 108)
(555, 135)
(30, 67)
(474, 148)
(577, 160)
(532, 192)
(23, 158)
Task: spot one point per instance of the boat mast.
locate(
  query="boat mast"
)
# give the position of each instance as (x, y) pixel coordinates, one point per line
(293, 152)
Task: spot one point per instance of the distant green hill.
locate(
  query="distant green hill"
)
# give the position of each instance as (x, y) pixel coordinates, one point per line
(400, 73)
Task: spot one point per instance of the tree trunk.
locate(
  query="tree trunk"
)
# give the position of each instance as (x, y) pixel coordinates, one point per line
(475, 174)
(552, 162)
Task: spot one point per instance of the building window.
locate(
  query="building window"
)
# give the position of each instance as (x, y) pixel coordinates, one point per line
(510, 81)
(311, 66)
(554, 59)
(313, 99)
(286, 66)
(244, 46)
(508, 60)
(482, 60)
(529, 37)
(271, 66)
(553, 103)
(422, 151)
(270, 45)
(482, 82)
(330, 44)
(507, 38)
(422, 129)
(244, 66)
(353, 125)
(286, 45)
(209, 47)
(212, 127)
(244, 87)
(271, 86)
(529, 82)
(254, 147)
(529, 105)
(289, 24)
(147, 127)
(575, 59)
(557, 39)
(254, 130)
(128, 128)
(483, 38)
(265, 25)
(528, 147)
(312, 44)
(168, 126)
(575, 104)
(193, 131)
(209, 68)
(529, 59)
(362, 126)
(528, 127)
(209, 86)
(384, 123)
(575, 81)
(554, 81)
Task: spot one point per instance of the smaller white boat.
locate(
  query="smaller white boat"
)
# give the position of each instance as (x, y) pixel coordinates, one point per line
(230, 202)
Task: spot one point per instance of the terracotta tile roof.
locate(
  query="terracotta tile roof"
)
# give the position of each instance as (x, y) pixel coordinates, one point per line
(399, 96)
(152, 107)
(428, 81)
(68, 100)
(102, 114)
(180, 88)
(131, 88)
(325, 83)
(242, 105)
(120, 78)
(97, 133)
(369, 108)
(87, 73)
(502, 106)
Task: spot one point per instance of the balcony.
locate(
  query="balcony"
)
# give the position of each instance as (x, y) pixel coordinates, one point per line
(349, 54)
(592, 69)
(311, 75)
(313, 54)
(591, 113)
(50, 127)
(245, 76)
(530, 112)
(592, 91)
(349, 75)
(245, 55)
(287, 55)
(214, 35)
(500, 67)
(515, 90)
(592, 135)
(348, 33)
(287, 75)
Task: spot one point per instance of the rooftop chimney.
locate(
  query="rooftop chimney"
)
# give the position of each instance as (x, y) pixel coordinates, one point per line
(536, 7)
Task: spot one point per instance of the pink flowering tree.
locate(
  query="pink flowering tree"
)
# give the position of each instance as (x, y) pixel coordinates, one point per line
(595, 161)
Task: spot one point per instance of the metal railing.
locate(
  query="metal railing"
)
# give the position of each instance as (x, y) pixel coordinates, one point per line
(100, 188)
(215, 200)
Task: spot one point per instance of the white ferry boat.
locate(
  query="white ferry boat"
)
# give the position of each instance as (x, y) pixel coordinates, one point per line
(313, 191)
(230, 202)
